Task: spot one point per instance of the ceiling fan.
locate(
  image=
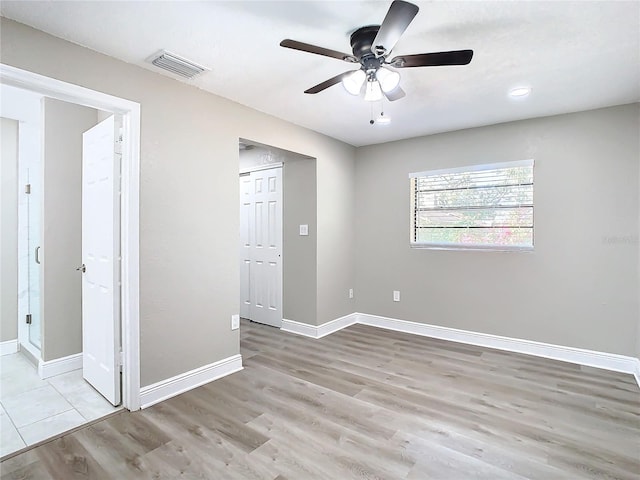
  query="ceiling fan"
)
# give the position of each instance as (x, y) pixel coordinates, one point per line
(371, 47)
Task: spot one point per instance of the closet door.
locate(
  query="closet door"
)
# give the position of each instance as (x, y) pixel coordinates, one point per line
(261, 246)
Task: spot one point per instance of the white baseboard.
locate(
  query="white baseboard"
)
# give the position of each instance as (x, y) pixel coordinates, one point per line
(9, 347)
(580, 356)
(337, 324)
(298, 328)
(318, 331)
(636, 372)
(165, 389)
(59, 366)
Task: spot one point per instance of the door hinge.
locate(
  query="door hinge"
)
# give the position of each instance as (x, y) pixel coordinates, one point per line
(28, 319)
(27, 188)
(121, 359)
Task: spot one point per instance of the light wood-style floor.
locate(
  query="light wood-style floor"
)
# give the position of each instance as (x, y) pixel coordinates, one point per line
(366, 403)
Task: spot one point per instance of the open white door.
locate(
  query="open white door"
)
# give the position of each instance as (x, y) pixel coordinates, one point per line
(261, 246)
(100, 258)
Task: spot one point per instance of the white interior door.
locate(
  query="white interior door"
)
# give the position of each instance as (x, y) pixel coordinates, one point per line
(100, 257)
(261, 246)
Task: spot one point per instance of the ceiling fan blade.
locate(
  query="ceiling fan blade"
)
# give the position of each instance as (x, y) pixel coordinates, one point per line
(328, 83)
(398, 18)
(456, 57)
(307, 47)
(395, 94)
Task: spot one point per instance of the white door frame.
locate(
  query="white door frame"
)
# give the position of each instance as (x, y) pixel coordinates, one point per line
(129, 205)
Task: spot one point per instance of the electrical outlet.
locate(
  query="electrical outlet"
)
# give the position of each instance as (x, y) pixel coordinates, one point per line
(396, 296)
(235, 322)
(304, 230)
(351, 293)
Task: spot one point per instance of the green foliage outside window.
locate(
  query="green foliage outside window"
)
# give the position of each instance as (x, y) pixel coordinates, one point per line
(482, 207)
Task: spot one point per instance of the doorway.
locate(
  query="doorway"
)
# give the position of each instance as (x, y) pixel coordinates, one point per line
(281, 184)
(127, 226)
(261, 245)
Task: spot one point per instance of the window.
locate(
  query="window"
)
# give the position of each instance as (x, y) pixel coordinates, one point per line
(478, 207)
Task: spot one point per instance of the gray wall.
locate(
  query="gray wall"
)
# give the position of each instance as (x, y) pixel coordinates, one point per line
(9, 230)
(336, 214)
(578, 288)
(300, 255)
(188, 200)
(64, 124)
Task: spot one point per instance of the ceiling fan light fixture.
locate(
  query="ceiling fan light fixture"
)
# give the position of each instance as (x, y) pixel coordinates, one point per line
(373, 92)
(383, 119)
(353, 82)
(388, 79)
(371, 45)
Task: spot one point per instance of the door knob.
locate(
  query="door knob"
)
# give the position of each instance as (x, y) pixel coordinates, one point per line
(82, 268)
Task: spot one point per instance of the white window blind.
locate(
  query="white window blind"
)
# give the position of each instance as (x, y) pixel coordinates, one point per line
(477, 207)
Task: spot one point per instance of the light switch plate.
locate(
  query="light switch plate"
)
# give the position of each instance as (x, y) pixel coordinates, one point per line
(304, 229)
(396, 296)
(235, 322)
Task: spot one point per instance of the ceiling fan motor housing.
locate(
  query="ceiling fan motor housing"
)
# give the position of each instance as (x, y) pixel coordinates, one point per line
(361, 41)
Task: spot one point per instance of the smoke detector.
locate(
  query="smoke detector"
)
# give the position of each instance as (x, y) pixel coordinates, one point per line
(177, 65)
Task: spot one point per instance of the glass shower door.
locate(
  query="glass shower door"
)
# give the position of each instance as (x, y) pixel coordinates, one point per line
(34, 256)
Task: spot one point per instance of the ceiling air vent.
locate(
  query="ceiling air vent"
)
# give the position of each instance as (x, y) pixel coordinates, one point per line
(177, 65)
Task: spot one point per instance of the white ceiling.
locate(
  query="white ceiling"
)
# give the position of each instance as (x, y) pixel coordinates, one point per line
(575, 56)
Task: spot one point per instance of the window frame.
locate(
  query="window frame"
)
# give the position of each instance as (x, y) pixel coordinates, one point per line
(470, 247)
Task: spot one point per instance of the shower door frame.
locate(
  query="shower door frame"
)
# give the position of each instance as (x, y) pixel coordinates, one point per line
(26, 109)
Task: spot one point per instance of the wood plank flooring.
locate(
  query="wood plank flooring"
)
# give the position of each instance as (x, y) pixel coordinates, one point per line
(366, 403)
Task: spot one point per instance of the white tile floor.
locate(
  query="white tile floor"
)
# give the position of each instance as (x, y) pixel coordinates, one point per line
(32, 410)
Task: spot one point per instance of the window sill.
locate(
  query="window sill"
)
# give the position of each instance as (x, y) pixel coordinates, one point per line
(489, 248)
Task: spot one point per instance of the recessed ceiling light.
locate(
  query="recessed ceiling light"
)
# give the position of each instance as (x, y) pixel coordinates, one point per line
(520, 92)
